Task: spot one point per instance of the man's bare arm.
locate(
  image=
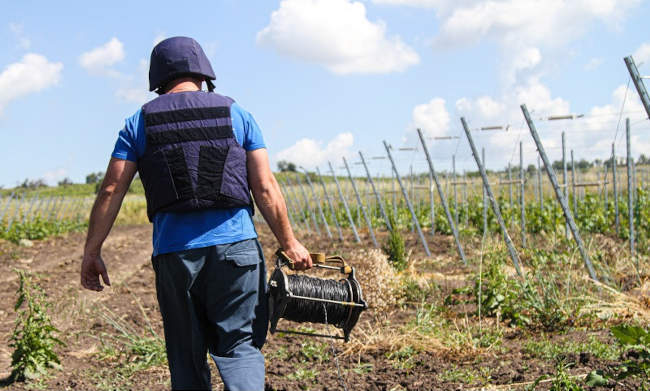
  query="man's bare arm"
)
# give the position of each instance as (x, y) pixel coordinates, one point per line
(107, 204)
(270, 202)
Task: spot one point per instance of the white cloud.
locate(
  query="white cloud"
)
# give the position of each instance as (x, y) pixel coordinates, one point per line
(336, 34)
(310, 153)
(504, 110)
(432, 117)
(593, 63)
(32, 73)
(523, 62)
(630, 103)
(413, 3)
(100, 59)
(136, 91)
(520, 27)
(138, 95)
(526, 22)
(642, 54)
(19, 32)
(54, 176)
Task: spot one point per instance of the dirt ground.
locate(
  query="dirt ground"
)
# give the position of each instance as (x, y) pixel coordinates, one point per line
(131, 300)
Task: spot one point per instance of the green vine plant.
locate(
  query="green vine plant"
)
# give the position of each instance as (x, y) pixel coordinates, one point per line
(395, 247)
(34, 336)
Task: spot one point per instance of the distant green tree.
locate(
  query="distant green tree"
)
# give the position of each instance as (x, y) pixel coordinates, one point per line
(285, 166)
(557, 165)
(584, 165)
(643, 159)
(33, 183)
(65, 182)
(94, 177)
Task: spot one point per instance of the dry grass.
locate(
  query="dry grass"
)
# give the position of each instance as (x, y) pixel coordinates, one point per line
(380, 281)
(133, 211)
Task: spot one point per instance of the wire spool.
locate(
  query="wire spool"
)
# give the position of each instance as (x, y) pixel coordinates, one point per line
(301, 298)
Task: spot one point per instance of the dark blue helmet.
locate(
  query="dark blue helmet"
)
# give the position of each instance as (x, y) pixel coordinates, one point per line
(177, 57)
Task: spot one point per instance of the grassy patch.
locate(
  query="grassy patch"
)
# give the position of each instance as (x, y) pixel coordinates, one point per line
(455, 374)
(546, 349)
(130, 350)
(314, 351)
(403, 358)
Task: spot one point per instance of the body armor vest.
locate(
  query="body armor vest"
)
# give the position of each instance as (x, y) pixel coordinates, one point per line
(192, 160)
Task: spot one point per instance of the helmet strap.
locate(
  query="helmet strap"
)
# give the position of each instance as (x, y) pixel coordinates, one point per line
(209, 84)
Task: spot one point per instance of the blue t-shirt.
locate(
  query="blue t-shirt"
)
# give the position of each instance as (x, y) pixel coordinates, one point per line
(182, 231)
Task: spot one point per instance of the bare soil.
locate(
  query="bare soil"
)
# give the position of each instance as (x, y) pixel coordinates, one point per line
(132, 300)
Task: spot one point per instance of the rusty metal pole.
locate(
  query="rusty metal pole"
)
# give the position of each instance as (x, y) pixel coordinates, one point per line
(329, 203)
(345, 204)
(304, 214)
(630, 188)
(617, 220)
(564, 181)
(558, 193)
(485, 200)
(376, 193)
(408, 202)
(495, 205)
(363, 210)
(443, 198)
(316, 199)
(522, 188)
(638, 83)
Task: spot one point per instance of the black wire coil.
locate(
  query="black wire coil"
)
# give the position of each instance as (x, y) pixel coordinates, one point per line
(299, 310)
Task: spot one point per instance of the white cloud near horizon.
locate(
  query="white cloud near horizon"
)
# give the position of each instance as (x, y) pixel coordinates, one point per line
(432, 118)
(99, 60)
(52, 177)
(310, 153)
(337, 35)
(32, 73)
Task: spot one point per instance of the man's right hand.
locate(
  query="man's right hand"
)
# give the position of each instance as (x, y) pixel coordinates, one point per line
(92, 267)
(300, 256)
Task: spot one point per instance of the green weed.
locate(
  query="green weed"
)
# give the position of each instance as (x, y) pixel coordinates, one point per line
(417, 292)
(547, 350)
(395, 247)
(280, 353)
(635, 342)
(302, 374)
(466, 375)
(314, 351)
(40, 229)
(134, 350)
(34, 337)
(363, 368)
(562, 381)
(403, 358)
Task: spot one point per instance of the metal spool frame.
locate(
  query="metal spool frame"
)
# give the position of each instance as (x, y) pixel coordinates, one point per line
(280, 296)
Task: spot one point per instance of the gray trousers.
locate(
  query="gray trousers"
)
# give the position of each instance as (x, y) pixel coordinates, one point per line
(213, 300)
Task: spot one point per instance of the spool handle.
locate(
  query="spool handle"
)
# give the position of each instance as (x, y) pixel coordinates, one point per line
(320, 260)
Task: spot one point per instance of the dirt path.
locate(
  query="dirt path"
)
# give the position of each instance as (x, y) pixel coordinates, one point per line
(293, 363)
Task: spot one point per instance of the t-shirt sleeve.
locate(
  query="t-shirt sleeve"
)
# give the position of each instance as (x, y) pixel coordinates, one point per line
(127, 145)
(253, 138)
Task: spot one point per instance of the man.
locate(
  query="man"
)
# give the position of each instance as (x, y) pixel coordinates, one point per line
(198, 153)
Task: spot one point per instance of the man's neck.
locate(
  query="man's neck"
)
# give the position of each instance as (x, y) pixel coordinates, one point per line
(184, 86)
